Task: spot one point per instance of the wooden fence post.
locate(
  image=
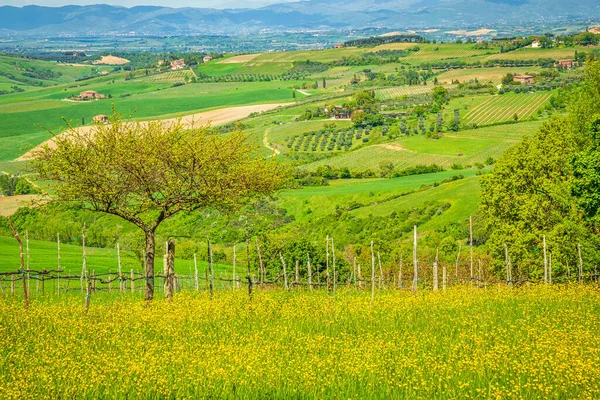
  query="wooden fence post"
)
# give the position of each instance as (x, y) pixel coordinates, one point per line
(285, 281)
(354, 271)
(297, 277)
(380, 271)
(27, 265)
(88, 292)
(545, 261)
(550, 269)
(249, 273)
(170, 269)
(309, 272)
(233, 279)
(58, 255)
(196, 286)
(334, 270)
(22, 265)
(261, 272)
(372, 272)
(121, 288)
(212, 269)
(580, 274)
(508, 269)
(327, 262)
(83, 254)
(415, 262)
(359, 276)
(132, 282)
(435, 271)
(471, 247)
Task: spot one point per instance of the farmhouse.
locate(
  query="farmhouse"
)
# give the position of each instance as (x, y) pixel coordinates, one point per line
(90, 95)
(595, 30)
(536, 44)
(207, 59)
(565, 64)
(177, 64)
(525, 79)
(101, 119)
(338, 46)
(340, 112)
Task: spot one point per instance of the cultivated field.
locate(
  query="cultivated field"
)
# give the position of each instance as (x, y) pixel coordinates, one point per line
(503, 108)
(243, 58)
(215, 117)
(168, 77)
(465, 148)
(483, 75)
(10, 204)
(499, 342)
(399, 91)
(111, 60)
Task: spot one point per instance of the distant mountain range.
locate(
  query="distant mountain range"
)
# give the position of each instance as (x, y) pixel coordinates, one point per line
(310, 14)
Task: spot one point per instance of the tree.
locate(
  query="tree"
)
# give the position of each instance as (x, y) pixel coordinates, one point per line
(147, 172)
(586, 183)
(386, 169)
(440, 94)
(324, 84)
(8, 184)
(439, 122)
(508, 79)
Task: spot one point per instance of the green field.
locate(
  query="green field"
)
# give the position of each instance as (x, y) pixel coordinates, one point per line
(44, 256)
(464, 147)
(24, 119)
(505, 107)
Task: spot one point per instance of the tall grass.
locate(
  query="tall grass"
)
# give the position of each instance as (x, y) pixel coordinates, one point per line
(530, 342)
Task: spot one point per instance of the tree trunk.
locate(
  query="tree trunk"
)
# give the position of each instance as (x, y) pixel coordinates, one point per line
(170, 272)
(149, 265)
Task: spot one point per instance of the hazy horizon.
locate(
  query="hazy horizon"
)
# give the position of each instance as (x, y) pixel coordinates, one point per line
(132, 3)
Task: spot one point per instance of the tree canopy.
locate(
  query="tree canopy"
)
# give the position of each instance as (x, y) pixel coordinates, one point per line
(146, 172)
(547, 186)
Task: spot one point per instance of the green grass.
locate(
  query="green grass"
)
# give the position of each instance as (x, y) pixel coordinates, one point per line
(529, 53)
(465, 147)
(43, 256)
(462, 195)
(69, 73)
(22, 121)
(322, 200)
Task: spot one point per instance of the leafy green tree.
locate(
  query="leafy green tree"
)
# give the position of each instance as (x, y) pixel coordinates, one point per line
(440, 95)
(145, 173)
(528, 195)
(8, 184)
(586, 183)
(508, 79)
(386, 169)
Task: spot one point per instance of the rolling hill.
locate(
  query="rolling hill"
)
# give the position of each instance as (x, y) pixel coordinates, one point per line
(311, 14)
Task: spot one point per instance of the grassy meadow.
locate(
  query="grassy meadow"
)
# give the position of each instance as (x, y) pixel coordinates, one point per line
(529, 342)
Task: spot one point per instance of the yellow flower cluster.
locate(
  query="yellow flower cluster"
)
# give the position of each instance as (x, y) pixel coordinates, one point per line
(531, 342)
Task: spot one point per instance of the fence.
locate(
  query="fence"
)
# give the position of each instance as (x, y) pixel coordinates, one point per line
(308, 276)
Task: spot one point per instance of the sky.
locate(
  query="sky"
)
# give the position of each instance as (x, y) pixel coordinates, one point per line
(131, 3)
